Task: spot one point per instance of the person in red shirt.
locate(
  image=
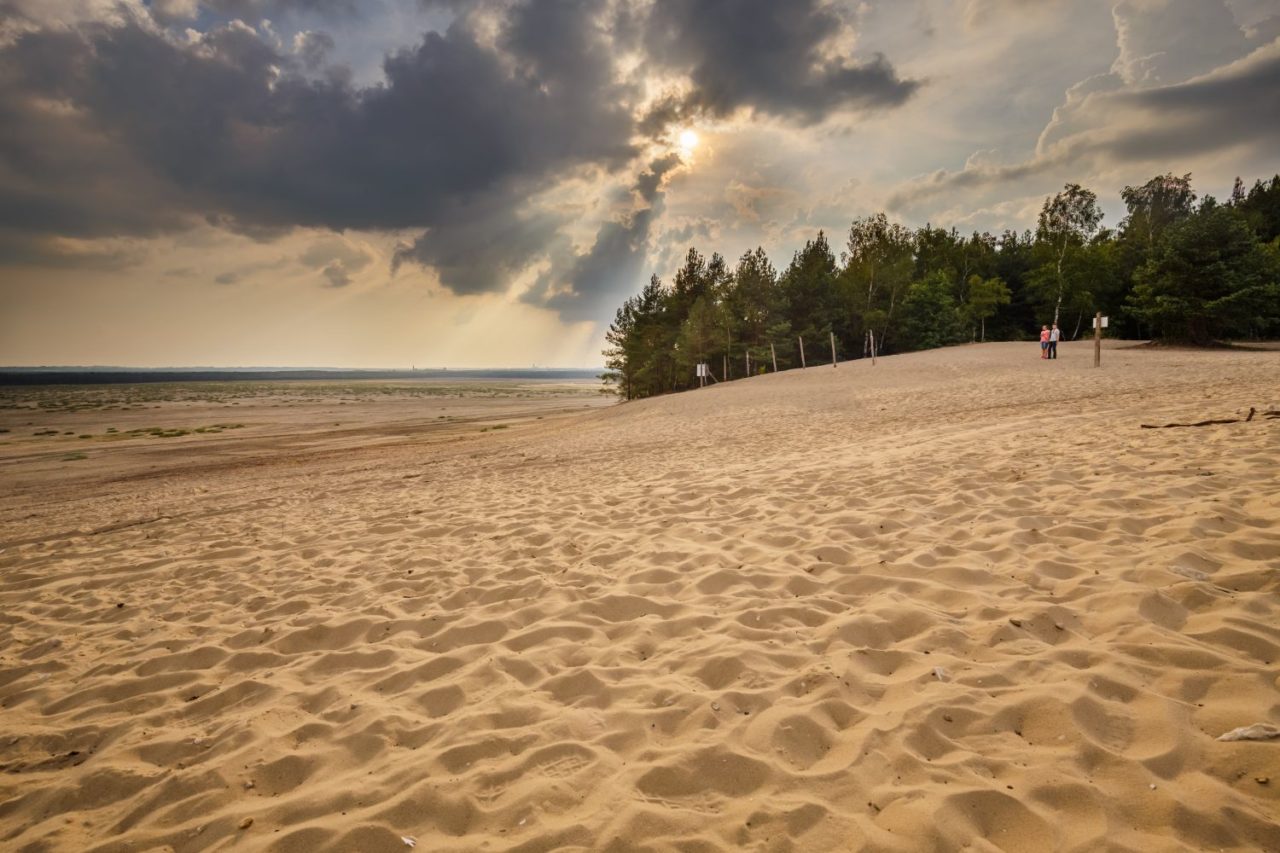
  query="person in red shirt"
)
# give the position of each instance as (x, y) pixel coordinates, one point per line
(1044, 341)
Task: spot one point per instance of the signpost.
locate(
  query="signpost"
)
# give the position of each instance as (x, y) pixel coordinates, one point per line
(1099, 323)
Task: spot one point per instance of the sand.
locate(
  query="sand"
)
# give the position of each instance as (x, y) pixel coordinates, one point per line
(960, 600)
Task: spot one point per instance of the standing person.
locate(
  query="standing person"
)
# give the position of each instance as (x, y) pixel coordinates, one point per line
(1054, 335)
(1044, 341)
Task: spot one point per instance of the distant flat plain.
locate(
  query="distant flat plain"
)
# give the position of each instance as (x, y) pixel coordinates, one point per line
(51, 434)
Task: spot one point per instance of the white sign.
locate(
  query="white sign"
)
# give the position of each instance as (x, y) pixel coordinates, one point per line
(1104, 322)
(702, 370)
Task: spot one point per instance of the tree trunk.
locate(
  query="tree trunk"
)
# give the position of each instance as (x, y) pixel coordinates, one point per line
(1058, 306)
(1198, 331)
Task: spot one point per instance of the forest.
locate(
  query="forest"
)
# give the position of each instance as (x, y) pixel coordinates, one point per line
(1177, 270)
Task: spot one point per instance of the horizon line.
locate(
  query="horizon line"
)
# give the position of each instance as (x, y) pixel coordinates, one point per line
(281, 368)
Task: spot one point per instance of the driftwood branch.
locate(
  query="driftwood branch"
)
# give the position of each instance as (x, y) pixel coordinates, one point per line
(1269, 415)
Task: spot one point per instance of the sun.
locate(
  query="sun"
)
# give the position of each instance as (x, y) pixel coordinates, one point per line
(688, 141)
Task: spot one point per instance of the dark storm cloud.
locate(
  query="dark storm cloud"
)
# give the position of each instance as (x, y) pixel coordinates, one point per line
(767, 56)
(1234, 104)
(335, 259)
(257, 10)
(482, 243)
(56, 253)
(126, 127)
(583, 287)
(482, 238)
(226, 126)
(313, 47)
(1234, 107)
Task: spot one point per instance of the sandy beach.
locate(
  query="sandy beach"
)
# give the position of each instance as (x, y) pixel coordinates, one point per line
(960, 600)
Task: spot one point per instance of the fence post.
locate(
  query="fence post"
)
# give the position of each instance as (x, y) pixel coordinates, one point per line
(873, 348)
(833, 349)
(773, 353)
(801, 339)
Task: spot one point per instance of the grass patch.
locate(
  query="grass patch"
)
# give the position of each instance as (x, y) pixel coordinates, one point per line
(134, 397)
(74, 457)
(216, 428)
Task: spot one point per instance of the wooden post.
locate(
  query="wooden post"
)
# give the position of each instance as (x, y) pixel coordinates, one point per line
(773, 353)
(833, 349)
(726, 367)
(748, 354)
(801, 339)
(1097, 339)
(873, 348)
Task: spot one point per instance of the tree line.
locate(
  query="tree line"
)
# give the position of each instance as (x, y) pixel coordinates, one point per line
(1176, 269)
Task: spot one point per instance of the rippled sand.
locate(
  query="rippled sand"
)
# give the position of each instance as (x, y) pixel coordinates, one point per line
(960, 600)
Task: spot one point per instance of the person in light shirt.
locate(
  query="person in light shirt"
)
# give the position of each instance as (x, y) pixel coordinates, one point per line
(1054, 336)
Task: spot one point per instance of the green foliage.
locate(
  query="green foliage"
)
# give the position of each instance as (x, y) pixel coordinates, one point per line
(699, 333)
(985, 297)
(1208, 278)
(754, 301)
(1172, 270)
(808, 291)
(929, 315)
(879, 264)
(1261, 208)
(1067, 221)
(1153, 207)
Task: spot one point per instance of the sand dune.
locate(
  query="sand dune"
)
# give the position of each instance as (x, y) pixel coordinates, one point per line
(957, 601)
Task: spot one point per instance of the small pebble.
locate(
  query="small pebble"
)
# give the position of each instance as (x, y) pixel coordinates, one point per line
(715, 706)
(248, 786)
(246, 823)
(1017, 623)
(1262, 780)
(1152, 786)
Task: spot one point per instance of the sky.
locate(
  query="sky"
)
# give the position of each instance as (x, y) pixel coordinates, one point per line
(386, 183)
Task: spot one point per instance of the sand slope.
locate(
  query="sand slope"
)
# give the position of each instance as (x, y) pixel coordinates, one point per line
(958, 601)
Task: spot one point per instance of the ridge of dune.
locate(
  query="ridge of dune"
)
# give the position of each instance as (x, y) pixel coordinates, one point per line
(957, 600)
